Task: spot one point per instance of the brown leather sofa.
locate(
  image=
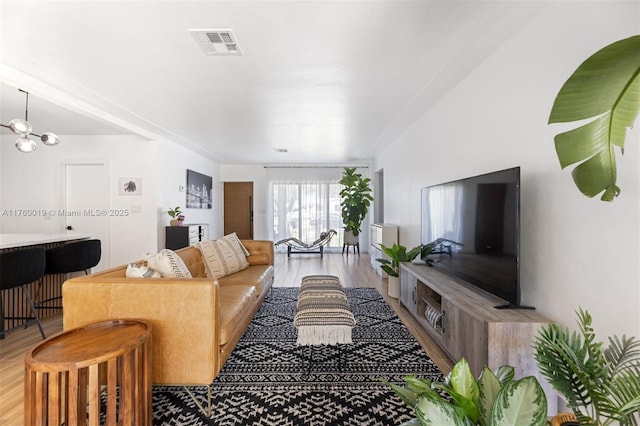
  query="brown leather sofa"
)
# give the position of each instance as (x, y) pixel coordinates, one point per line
(196, 322)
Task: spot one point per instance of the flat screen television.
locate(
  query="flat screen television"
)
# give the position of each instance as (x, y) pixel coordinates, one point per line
(473, 228)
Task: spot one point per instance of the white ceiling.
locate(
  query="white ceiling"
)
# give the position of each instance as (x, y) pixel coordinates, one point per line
(330, 81)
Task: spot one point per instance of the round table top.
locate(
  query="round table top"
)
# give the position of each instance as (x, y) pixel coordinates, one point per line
(89, 345)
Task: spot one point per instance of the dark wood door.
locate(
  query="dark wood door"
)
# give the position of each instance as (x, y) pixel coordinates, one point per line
(238, 209)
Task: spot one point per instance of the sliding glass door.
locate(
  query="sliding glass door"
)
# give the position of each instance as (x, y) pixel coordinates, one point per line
(304, 210)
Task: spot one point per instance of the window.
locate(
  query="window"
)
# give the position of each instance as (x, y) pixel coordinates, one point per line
(304, 210)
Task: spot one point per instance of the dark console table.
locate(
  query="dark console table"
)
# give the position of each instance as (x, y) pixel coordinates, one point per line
(177, 237)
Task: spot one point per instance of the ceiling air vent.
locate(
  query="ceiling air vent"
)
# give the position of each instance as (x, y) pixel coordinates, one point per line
(217, 42)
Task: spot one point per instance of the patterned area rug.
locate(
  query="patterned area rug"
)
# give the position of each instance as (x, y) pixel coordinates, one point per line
(267, 380)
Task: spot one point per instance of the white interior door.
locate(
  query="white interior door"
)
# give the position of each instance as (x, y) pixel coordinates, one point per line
(87, 204)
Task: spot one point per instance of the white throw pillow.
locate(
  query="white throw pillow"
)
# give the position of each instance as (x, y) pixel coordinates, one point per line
(168, 264)
(223, 256)
(141, 271)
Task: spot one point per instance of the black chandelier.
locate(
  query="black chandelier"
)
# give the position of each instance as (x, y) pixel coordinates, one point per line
(23, 128)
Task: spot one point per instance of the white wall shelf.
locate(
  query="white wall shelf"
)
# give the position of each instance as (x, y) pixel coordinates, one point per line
(381, 233)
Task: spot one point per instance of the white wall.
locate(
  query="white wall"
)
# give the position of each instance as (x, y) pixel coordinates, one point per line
(36, 181)
(173, 162)
(575, 251)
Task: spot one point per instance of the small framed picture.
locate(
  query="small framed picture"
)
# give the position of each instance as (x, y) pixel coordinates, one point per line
(130, 186)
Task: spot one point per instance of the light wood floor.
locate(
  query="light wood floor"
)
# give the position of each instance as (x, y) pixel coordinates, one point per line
(353, 270)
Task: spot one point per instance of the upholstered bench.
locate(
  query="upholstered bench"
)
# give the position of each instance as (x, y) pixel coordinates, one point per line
(323, 314)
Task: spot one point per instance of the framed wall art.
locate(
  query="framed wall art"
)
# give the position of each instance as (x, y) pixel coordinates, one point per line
(199, 194)
(130, 186)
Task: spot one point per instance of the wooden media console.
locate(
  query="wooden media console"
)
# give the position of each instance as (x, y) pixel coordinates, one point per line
(463, 320)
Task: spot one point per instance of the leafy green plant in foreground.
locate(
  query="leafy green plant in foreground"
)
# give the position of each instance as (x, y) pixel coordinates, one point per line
(601, 386)
(494, 399)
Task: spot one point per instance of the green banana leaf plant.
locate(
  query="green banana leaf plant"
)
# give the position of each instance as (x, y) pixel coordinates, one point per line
(601, 386)
(606, 89)
(494, 399)
(397, 253)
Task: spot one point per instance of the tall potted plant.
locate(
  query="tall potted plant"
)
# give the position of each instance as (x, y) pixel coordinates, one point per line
(355, 201)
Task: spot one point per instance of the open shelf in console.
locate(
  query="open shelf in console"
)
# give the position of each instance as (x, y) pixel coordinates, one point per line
(430, 306)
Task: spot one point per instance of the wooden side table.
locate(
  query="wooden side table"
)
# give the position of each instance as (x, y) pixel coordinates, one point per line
(67, 376)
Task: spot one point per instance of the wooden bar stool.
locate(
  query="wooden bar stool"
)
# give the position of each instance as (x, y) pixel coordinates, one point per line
(17, 269)
(70, 257)
(68, 375)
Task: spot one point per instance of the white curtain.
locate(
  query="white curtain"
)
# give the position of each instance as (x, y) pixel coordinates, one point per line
(303, 202)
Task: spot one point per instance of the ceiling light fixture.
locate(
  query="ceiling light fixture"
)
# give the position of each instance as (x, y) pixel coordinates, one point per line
(23, 128)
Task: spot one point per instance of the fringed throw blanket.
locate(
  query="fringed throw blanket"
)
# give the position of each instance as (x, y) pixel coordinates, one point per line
(323, 316)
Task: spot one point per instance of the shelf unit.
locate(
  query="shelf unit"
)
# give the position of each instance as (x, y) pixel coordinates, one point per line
(381, 233)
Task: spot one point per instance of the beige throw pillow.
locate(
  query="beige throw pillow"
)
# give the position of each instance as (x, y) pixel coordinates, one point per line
(233, 240)
(168, 264)
(223, 256)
